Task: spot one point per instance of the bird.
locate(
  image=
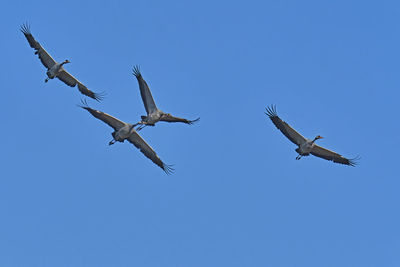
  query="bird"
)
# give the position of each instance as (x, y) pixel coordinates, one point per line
(154, 114)
(125, 131)
(55, 69)
(306, 146)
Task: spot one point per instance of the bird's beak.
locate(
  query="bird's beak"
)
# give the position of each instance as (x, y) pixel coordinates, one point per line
(320, 137)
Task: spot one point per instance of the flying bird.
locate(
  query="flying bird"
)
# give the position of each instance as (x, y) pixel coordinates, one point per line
(154, 114)
(55, 69)
(125, 131)
(306, 146)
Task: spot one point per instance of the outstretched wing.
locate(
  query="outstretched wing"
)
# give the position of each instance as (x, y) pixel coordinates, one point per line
(145, 92)
(170, 118)
(110, 120)
(285, 128)
(44, 57)
(70, 80)
(333, 156)
(146, 149)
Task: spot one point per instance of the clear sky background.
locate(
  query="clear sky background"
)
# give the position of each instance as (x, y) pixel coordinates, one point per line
(238, 197)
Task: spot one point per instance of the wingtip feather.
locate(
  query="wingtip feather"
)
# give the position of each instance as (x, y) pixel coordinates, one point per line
(271, 111)
(194, 121)
(25, 28)
(136, 71)
(85, 91)
(83, 104)
(354, 161)
(99, 96)
(168, 169)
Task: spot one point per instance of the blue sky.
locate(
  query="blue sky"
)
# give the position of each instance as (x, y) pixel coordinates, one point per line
(238, 196)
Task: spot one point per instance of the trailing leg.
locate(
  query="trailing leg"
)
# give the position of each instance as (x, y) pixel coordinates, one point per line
(142, 125)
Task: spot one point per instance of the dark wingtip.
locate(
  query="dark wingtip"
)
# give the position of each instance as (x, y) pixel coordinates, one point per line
(83, 104)
(99, 96)
(271, 111)
(168, 169)
(136, 71)
(194, 121)
(354, 161)
(25, 28)
(85, 91)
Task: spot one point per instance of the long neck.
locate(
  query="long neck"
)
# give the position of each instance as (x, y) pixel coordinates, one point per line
(65, 62)
(315, 139)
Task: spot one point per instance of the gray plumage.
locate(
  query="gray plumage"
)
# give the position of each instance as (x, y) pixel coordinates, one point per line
(154, 114)
(125, 131)
(55, 69)
(306, 146)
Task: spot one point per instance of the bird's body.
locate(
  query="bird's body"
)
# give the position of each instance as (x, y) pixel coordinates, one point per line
(55, 69)
(123, 133)
(126, 131)
(154, 114)
(152, 118)
(306, 146)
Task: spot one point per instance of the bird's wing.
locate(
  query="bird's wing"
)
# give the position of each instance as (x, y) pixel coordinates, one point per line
(110, 120)
(146, 149)
(330, 155)
(177, 119)
(44, 57)
(70, 80)
(285, 128)
(145, 92)
(25, 29)
(67, 78)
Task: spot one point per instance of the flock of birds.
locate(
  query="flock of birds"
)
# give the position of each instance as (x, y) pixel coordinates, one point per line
(126, 131)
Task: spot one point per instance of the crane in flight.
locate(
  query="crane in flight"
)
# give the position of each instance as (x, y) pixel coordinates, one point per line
(306, 146)
(154, 114)
(55, 69)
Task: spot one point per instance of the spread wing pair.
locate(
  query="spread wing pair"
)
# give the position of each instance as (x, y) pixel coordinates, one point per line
(133, 137)
(50, 63)
(150, 105)
(299, 140)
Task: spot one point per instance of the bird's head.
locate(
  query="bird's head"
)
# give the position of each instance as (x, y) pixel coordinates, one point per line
(316, 138)
(66, 61)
